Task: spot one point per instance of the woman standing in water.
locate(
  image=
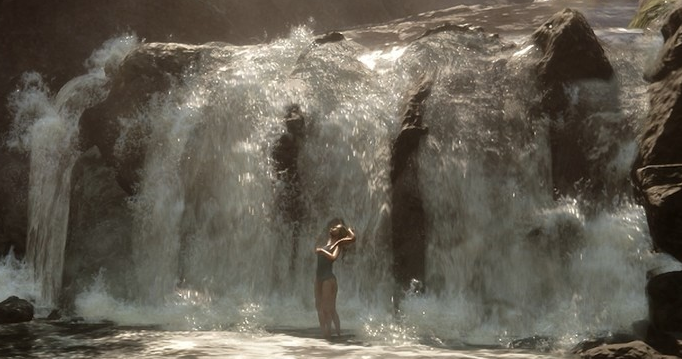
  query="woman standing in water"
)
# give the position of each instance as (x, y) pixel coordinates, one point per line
(325, 281)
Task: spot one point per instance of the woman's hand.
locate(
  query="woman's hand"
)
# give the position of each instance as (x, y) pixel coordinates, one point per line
(350, 238)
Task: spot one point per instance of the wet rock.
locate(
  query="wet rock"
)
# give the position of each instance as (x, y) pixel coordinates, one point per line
(651, 13)
(659, 189)
(656, 171)
(57, 37)
(330, 37)
(55, 314)
(537, 342)
(147, 71)
(285, 157)
(407, 214)
(450, 27)
(631, 350)
(611, 339)
(15, 310)
(572, 57)
(672, 22)
(571, 51)
(99, 232)
(664, 294)
(670, 55)
(14, 169)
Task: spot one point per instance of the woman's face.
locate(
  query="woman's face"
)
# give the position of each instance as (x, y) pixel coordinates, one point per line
(335, 231)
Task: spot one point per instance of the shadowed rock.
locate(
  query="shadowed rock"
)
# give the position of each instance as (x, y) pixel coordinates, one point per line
(407, 214)
(285, 156)
(657, 169)
(15, 310)
(450, 28)
(14, 169)
(572, 55)
(148, 70)
(571, 50)
(330, 37)
(651, 13)
(99, 234)
(664, 294)
(660, 191)
(631, 350)
(670, 56)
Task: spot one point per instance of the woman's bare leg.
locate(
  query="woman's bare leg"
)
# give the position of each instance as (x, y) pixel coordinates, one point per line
(329, 289)
(334, 314)
(318, 306)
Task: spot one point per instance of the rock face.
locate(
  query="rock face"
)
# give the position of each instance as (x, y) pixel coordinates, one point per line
(632, 350)
(657, 169)
(664, 293)
(657, 180)
(100, 225)
(571, 55)
(407, 214)
(285, 157)
(146, 71)
(651, 13)
(659, 187)
(14, 169)
(15, 310)
(55, 38)
(670, 56)
(561, 38)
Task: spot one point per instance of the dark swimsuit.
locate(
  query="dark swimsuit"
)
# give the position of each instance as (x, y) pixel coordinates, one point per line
(324, 266)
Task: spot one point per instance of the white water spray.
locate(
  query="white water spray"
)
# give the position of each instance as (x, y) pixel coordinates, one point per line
(47, 127)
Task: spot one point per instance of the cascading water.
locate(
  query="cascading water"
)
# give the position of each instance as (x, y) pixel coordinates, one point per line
(205, 218)
(211, 251)
(47, 127)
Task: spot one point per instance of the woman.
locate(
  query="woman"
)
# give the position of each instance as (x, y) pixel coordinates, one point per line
(325, 281)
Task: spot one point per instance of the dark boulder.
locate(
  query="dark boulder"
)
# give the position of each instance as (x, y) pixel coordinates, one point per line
(672, 23)
(651, 13)
(99, 232)
(330, 37)
(657, 169)
(147, 71)
(659, 189)
(571, 51)
(571, 55)
(664, 294)
(632, 350)
(285, 158)
(407, 214)
(15, 310)
(670, 56)
(14, 169)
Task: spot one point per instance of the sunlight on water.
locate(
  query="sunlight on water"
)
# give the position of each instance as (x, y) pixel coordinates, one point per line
(48, 128)
(217, 270)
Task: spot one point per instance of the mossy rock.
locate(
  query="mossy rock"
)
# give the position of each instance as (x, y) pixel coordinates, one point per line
(651, 11)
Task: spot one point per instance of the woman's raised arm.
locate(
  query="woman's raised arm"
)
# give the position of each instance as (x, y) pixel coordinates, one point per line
(350, 238)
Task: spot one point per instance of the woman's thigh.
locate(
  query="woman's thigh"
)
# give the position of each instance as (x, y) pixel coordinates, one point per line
(318, 294)
(329, 289)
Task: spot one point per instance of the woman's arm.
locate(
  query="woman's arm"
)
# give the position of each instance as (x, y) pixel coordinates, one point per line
(350, 238)
(331, 255)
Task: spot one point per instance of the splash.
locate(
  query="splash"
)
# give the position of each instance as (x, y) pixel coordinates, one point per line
(47, 127)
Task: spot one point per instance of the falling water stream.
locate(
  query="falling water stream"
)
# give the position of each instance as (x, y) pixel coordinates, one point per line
(214, 269)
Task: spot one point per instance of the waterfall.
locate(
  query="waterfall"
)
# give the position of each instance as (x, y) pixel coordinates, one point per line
(47, 127)
(205, 213)
(503, 257)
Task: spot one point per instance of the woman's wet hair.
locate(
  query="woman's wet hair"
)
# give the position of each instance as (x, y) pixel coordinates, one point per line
(341, 231)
